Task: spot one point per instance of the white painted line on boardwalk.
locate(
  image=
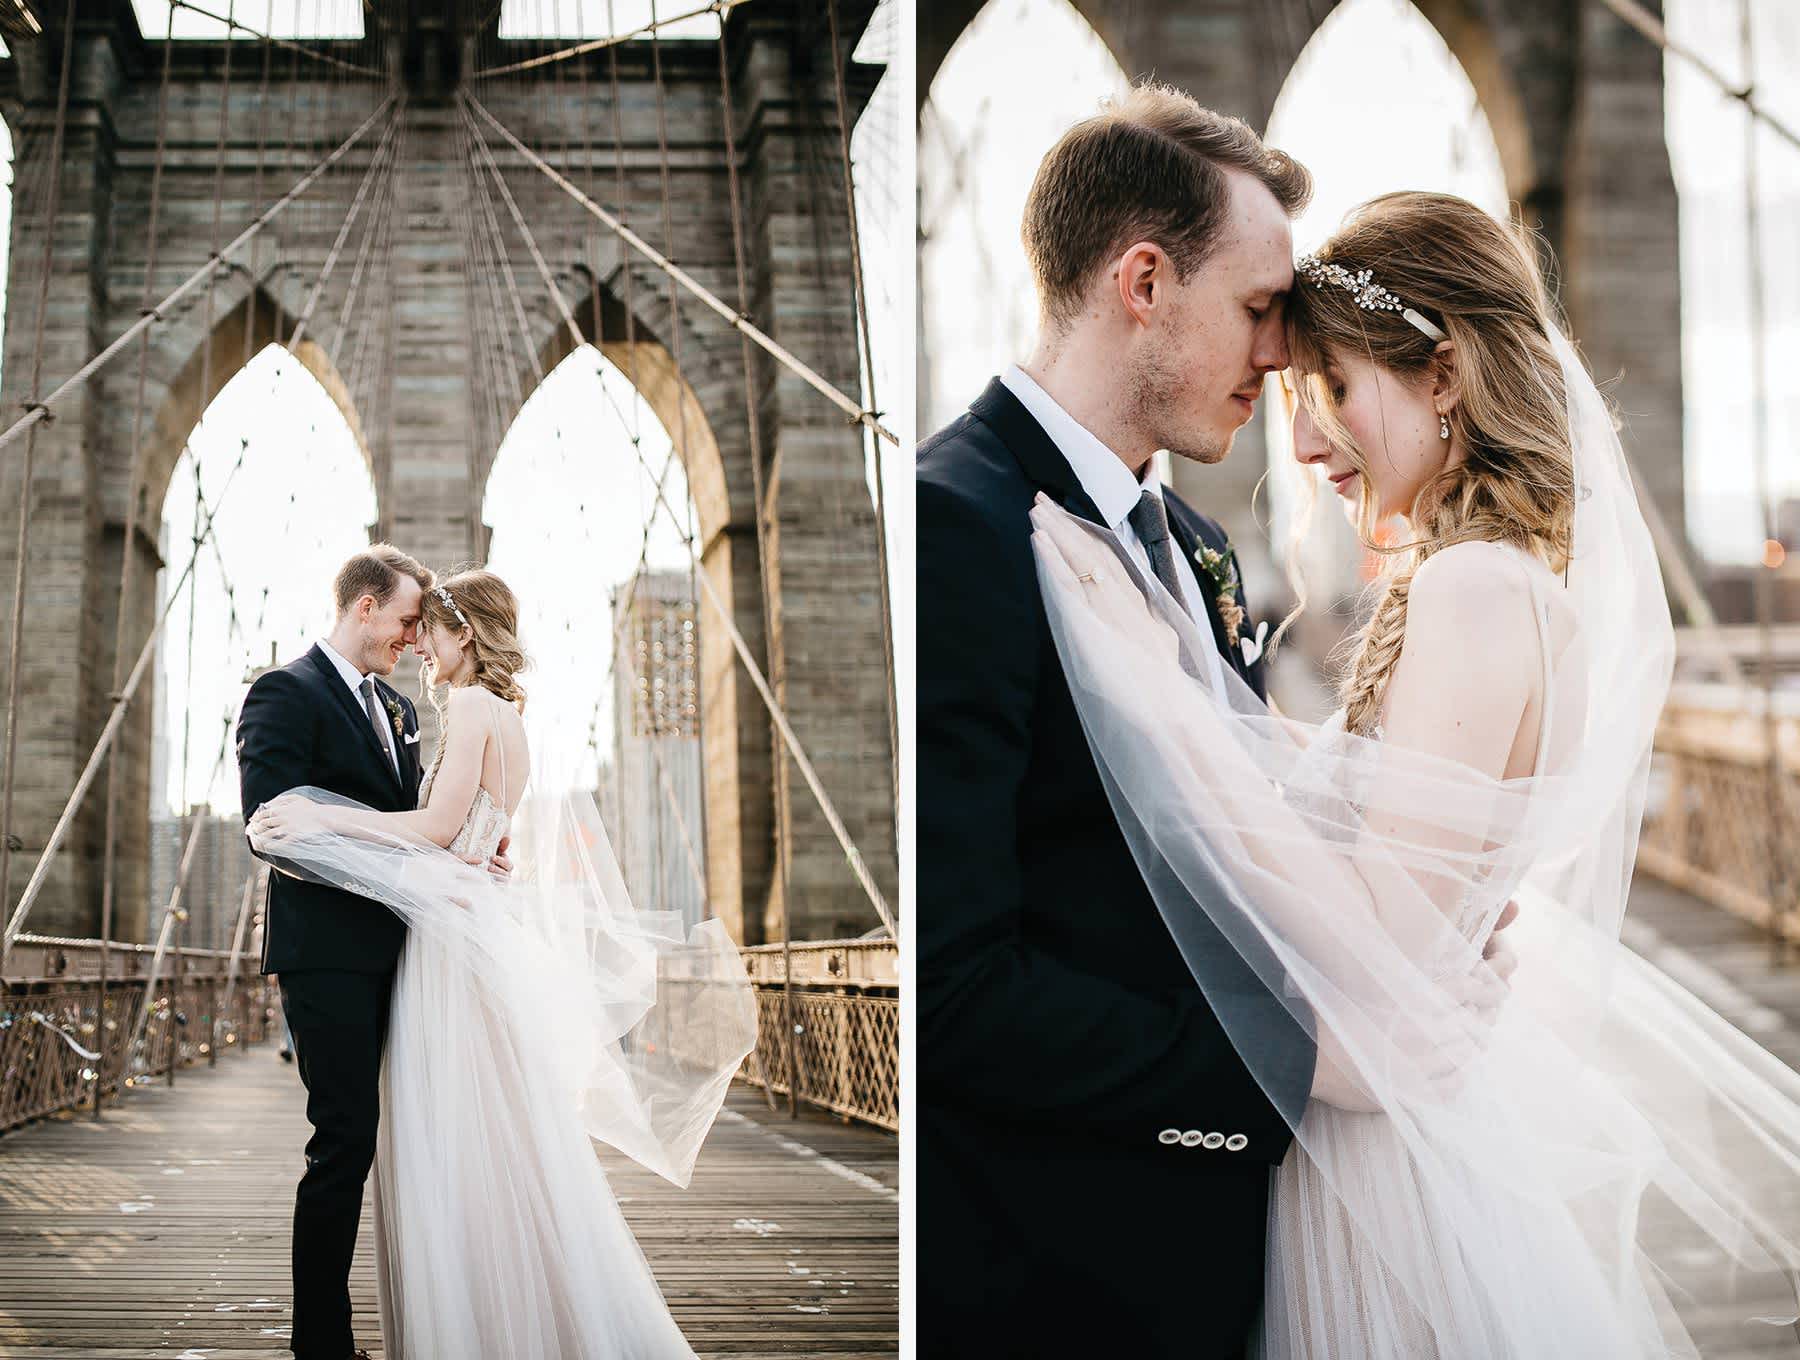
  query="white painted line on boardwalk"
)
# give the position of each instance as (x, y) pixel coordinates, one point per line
(1703, 980)
(836, 1168)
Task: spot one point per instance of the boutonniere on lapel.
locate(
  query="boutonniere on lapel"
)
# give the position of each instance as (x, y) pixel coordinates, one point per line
(1222, 569)
(397, 713)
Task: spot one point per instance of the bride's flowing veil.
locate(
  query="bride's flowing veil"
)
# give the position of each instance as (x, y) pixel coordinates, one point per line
(626, 1015)
(1523, 1180)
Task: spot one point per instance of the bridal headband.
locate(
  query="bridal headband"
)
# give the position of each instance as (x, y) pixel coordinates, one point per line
(450, 604)
(1361, 286)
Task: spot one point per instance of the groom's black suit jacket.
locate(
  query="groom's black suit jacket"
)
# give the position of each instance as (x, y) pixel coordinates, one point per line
(301, 725)
(1060, 1033)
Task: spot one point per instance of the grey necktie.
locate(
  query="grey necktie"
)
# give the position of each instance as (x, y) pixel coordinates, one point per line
(379, 718)
(1150, 519)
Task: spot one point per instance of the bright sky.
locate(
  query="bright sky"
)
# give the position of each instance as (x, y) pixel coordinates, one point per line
(567, 499)
(980, 145)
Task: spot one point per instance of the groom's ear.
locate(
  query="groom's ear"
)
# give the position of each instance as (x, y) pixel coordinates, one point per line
(1144, 276)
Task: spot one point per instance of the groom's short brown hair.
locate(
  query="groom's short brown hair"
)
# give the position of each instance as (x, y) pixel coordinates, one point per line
(1148, 167)
(377, 570)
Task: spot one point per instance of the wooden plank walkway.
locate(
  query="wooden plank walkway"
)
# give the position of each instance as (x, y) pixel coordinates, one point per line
(164, 1229)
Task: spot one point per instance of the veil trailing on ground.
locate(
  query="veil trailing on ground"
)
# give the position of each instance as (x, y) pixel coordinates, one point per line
(629, 1016)
(1539, 1169)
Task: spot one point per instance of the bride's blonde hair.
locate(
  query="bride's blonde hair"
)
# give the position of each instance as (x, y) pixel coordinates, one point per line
(1478, 280)
(490, 613)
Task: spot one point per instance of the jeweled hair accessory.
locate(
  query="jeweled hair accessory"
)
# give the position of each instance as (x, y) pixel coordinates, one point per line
(1361, 286)
(450, 604)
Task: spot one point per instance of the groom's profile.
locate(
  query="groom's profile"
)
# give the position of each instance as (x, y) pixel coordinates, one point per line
(1093, 1155)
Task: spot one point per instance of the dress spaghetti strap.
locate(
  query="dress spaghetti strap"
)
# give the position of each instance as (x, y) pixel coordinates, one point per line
(1540, 609)
(499, 746)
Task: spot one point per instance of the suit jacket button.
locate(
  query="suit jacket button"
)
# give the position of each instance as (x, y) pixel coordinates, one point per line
(1168, 1136)
(1192, 1138)
(1236, 1143)
(1213, 1141)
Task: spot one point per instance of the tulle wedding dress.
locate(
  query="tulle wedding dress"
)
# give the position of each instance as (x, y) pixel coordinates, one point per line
(530, 1018)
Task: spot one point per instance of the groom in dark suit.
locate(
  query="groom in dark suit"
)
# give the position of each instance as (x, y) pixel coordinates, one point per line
(1094, 1155)
(327, 720)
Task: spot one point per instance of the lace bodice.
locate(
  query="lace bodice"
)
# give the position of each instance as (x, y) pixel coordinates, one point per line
(486, 821)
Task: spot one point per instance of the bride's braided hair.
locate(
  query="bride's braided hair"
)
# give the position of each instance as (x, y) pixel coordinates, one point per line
(1479, 281)
(490, 612)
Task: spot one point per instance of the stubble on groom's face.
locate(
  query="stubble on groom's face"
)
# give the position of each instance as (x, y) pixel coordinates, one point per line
(1198, 375)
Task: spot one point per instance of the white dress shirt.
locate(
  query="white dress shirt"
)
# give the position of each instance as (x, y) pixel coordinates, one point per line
(1114, 491)
(354, 678)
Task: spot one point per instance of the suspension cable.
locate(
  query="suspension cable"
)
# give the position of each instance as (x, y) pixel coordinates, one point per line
(109, 852)
(379, 163)
(866, 349)
(853, 856)
(681, 406)
(52, 210)
(784, 846)
(300, 49)
(220, 261)
(682, 277)
(1652, 28)
(107, 735)
(718, 7)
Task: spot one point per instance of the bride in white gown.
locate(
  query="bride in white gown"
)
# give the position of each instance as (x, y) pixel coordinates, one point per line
(530, 1018)
(1495, 1162)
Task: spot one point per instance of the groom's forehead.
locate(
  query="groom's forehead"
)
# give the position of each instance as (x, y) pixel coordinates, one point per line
(407, 596)
(1259, 241)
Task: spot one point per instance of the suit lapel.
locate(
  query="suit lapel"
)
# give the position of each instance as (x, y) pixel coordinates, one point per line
(1188, 543)
(1190, 532)
(408, 752)
(1045, 465)
(354, 711)
(1043, 462)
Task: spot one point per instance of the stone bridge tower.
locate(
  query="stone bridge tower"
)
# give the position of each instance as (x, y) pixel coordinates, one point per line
(444, 369)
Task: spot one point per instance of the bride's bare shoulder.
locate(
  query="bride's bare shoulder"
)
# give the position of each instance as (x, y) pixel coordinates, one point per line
(1470, 608)
(1469, 659)
(480, 704)
(1473, 583)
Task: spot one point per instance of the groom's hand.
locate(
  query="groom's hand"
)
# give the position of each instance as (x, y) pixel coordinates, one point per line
(499, 866)
(1498, 953)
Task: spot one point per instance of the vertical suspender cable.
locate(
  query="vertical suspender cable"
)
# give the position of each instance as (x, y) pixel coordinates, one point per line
(127, 555)
(859, 287)
(777, 668)
(51, 211)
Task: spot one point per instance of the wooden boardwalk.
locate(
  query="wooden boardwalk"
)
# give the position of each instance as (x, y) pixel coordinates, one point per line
(164, 1229)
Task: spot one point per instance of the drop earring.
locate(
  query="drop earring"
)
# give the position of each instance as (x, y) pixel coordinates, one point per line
(1443, 425)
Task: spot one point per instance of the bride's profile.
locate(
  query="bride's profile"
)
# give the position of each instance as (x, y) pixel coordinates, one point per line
(531, 1017)
(1498, 1143)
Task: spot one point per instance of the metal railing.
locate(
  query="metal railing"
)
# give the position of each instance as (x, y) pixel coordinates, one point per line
(844, 1027)
(1722, 818)
(57, 1042)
